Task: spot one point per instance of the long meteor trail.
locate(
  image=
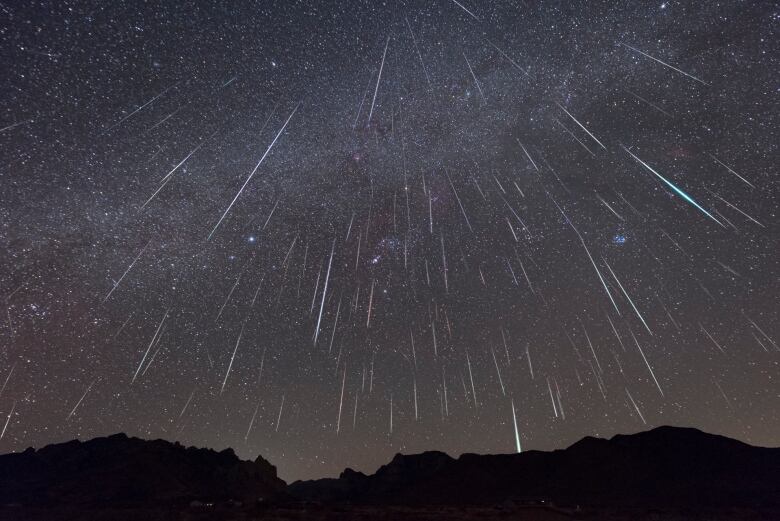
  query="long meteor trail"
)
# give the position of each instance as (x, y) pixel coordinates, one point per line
(664, 64)
(136, 111)
(73, 411)
(378, 78)
(116, 284)
(230, 365)
(671, 185)
(727, 167)
(253, 172)
(164, 181)
(627, 297)
(324, 292)
(587, 251)
(476, 81)
(157, 332)
(517, 434)
(464, 8)
(581, 126)
(414, 40)
(508, 58)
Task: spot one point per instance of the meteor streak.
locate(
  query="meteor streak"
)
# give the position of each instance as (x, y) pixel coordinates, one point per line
(8, 420)
(324, 292)
(118, 282)
(664, 63)
(252, 173)
(379, 77)
(72, 412)
(508, 58)
(627, 297)
(469, 12)
(727, 167)
(581, 126)
(673, 187)
(476, 81)
(414, 40)
(646, 362)
(230, 365)
(157, 332)
(517, 433)
(636, 408)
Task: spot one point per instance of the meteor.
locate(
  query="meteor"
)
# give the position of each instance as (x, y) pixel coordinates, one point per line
(664, 64)
(733, 207)
(251, 422)
(564, 127)
(528, 155)
(414, 40)
(514, 421)
(7, 378)
(157, 332)
(469, 12)
(476, 81)
(508, 58)
(759, 329)
(640, 98)
(253, 172)
(8, 420)
(673, 187)
(627, 297)
(168, 176)
(646, 362)
(635, 406)
(581, 126)
(379, 77)
(341, 400)
(324, 292)
(609, 207)
(184, 409)
(552, 399)
(711, 338)
(139, 109)
(498, 371)
(587, 251)
(732, 171)
(590, 344)
(463, 211)
(72, 412)
(13, 125)
(335, 325)
(471, 378)
(116, 284)
(279, 418)
(271, 214)
(230, 293)
(235, 350)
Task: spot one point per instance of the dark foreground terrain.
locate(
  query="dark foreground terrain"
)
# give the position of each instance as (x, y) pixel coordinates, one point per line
(666, 473)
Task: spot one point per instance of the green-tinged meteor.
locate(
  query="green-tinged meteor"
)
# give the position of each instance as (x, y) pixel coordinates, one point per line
(671, 185)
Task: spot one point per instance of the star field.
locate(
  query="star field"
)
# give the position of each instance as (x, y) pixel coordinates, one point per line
(327, 232)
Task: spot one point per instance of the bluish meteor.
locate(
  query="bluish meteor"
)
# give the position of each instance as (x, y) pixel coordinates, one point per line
(671, 185)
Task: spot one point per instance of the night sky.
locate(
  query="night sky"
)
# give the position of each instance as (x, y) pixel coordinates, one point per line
(327, 232)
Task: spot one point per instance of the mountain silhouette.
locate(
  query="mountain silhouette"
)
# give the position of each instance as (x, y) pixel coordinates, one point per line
(118, 470)
(667, 469)
(667, 466)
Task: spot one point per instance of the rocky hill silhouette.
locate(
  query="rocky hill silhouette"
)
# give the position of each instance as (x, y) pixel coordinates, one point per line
(678, 472)
(118, 470)
(667, 466)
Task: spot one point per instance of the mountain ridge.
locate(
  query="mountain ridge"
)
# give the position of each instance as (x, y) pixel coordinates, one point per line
(666, 466)
(131, 470)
